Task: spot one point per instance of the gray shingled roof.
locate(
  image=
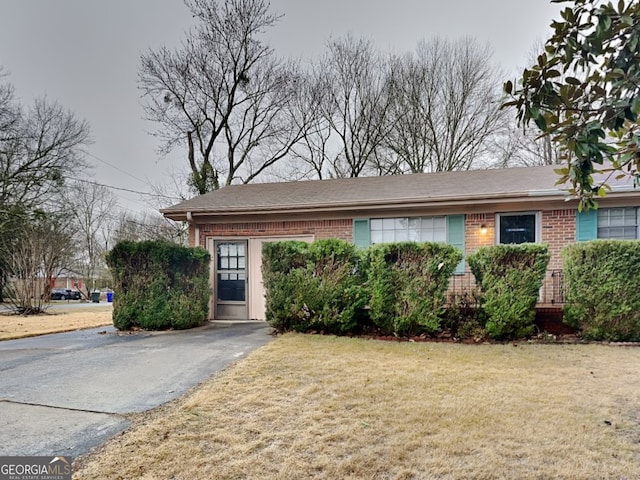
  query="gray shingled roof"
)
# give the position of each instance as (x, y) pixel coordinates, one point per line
(398, 189)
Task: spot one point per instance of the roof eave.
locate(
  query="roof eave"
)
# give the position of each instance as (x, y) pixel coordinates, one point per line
(364, 206)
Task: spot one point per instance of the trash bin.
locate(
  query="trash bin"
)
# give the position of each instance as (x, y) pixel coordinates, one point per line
(95, 297)
(109, 296)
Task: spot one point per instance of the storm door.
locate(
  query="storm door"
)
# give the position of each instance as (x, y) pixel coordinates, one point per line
(230, 280)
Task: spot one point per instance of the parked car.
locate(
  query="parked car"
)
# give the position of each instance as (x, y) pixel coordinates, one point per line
(65, 294)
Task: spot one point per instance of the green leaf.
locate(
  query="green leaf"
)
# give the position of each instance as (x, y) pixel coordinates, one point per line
(508, 87)
(541, 122)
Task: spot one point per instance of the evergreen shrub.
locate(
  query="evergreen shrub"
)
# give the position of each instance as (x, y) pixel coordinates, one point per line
(159, 285)
(602, 281)
(317, 286)
(510, 277)
(408, 281)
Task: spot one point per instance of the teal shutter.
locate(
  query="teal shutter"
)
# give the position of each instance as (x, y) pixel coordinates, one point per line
(361, 234)
(455, 236)
(587, 225)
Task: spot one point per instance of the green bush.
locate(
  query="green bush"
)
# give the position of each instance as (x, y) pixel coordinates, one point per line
(159, 285)
(317, 286)
(602, 281)
(408, 282)
(510, 277)
(283, 265)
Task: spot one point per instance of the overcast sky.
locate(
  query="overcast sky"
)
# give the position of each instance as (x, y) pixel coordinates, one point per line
(85, 55)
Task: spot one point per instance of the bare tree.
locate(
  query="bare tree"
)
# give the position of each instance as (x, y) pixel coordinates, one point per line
(525, 146)
(447, 107)
(43, 144)
(38, 147)
(43, 245)
(138, 227)
(92, 206)
(355, 102)
(223, 95)
(263, 130)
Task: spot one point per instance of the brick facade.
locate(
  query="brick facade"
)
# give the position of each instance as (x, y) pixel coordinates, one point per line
(558, 230)
(475, 236)
(342, 229)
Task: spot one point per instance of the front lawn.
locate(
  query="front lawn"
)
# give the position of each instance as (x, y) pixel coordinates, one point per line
(327, 407)
(54, 321)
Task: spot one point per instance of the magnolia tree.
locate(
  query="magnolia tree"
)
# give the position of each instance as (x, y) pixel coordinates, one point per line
(584, 93)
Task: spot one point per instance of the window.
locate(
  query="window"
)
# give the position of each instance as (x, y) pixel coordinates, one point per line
(414, 229)
(618, 223)
(518, 228)
(231, 271)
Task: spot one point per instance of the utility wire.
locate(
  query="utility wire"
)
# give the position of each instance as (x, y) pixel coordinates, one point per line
(117, 168)
(126, 189)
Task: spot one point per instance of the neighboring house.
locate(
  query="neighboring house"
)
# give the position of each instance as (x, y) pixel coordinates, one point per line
(466, 209)
(65, 278)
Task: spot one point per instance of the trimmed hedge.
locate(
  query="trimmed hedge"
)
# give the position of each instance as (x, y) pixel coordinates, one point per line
(159, 285)
(602, 281)
(408, 282)
(316, 286)
(510, 277)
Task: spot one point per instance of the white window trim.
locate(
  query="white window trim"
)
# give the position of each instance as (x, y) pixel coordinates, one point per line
(538, 218)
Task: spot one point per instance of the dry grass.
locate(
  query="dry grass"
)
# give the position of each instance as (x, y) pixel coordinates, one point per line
(59, 320)
(337, 408)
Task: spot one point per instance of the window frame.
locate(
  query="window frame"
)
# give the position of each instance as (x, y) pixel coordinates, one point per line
(636, 225)
(408, 222)
(538, 225)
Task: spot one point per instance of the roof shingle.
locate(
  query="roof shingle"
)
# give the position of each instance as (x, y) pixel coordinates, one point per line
(424, 187)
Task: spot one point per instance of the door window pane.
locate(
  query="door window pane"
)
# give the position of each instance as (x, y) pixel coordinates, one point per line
(231, 289)
(231, 277)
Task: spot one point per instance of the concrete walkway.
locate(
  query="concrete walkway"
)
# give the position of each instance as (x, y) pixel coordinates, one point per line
(66, 393)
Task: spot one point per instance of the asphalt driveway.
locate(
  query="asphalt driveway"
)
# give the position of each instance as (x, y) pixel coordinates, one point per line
(66, 393)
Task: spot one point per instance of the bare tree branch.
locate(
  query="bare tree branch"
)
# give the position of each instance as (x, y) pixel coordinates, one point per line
(223, 94)
(447, 105)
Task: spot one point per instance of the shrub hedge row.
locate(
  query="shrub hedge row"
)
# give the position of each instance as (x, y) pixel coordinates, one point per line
(399, 289)
(325, 286)
(159, 285)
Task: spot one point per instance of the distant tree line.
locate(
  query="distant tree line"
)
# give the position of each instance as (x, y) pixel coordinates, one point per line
(239, 111)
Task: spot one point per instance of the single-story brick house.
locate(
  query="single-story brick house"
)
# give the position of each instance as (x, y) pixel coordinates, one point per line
(466, 209)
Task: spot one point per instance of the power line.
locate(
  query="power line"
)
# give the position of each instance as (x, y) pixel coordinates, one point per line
(155, 195)
(146, 182)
